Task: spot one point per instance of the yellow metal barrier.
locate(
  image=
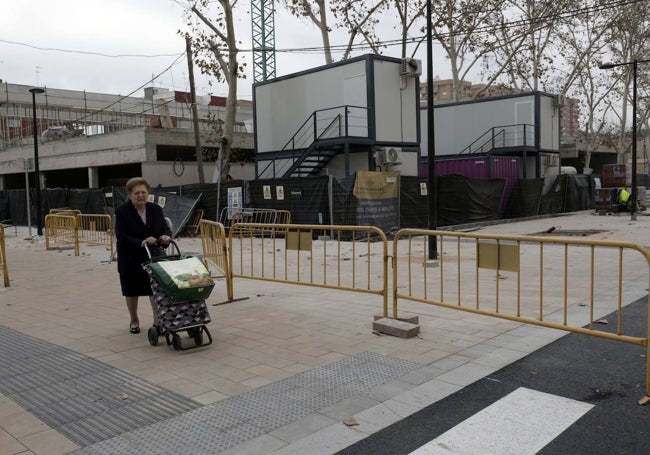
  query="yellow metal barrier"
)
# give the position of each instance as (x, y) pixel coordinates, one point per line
(95, 229)
(230, 216)
(215, 250)
(65, 211)
(283, 217)
(3, 256)
(524, 279)
(61, 229)
(7, 224)
(192, 227)
(351, 258)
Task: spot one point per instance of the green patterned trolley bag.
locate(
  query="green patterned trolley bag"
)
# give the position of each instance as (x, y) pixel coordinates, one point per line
(180, 285)
(182, 278)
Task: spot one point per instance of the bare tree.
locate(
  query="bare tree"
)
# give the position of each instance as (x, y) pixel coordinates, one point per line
(628, 39)
(358, 18)
(589, 88)
(580, 40)
(410, 14)
(211, 29)
(526, 53)
(316, 12)
(458, 26)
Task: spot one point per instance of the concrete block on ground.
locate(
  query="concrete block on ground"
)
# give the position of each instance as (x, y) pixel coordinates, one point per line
(411, 319)
(395, 327)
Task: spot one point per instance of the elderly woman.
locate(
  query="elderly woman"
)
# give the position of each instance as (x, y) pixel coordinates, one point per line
(138, 222)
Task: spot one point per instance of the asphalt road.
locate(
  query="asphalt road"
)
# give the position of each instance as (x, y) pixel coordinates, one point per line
(609, 375)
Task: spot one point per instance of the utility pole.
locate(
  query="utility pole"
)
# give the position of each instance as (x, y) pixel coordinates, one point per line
(195, 112)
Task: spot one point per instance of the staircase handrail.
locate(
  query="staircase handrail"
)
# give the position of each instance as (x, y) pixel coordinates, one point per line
(498, 134)
(308, 151)
(309, 129)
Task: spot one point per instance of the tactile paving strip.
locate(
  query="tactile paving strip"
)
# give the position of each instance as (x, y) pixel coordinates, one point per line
(230, 422)
(84, 399)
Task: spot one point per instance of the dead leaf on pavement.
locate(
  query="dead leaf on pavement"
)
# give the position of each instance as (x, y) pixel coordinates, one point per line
(350, 421)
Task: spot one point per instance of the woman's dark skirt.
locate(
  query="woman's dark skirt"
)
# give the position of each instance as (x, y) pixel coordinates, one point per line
(135, 284)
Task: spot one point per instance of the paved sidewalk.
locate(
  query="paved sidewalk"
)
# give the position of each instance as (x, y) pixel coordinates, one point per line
(286, 367)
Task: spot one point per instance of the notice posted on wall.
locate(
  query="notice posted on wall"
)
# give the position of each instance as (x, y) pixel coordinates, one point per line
(377, 199)
(234, 201)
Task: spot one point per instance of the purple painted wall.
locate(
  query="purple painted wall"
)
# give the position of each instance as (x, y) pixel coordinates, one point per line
(503, 167)
(485, 167)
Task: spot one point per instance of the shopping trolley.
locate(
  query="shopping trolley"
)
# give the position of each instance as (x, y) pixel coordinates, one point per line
(180, 285)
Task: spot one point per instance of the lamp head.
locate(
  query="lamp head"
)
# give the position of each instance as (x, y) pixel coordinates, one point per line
(607, 66)
(36, 90)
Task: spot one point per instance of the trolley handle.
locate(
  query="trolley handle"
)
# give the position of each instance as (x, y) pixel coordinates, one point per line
(171, 242)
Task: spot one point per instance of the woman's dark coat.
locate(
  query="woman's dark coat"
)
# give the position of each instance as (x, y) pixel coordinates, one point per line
(130, 231)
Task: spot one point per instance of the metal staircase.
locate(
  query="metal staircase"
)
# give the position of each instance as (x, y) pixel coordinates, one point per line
(315, 143)
(501, 139)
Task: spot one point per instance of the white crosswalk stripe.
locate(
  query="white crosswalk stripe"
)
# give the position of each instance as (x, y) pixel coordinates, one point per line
(520, 423)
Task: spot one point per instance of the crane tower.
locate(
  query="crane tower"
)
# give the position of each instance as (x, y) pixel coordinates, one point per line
(263, 24)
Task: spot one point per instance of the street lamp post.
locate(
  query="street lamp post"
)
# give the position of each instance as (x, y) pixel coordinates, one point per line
(37, 177)
(431, 153)
(634, 64)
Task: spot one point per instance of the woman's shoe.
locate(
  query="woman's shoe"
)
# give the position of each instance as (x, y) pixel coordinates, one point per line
(134, 328)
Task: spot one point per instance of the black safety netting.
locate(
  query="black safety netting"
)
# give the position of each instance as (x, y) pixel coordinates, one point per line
(460, 200)
(213, 197)
(54, 198)
(525, 198)
(344, 204)
(5, 213)
(305, 197)
(414, 202)
(580, 190)
(87, 200)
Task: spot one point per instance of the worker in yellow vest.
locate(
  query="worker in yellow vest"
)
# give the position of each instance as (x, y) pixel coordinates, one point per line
(624, 199)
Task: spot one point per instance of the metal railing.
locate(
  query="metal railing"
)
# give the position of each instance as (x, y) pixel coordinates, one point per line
(213, 241)
(324, 124)
(64, 211)
(525, 279)
(215, 250)
(229, 216)
(350, 258)
(501, 137)
(95, 230)
(3, 257)
(69, 227)
(192, 227)
(61, 229)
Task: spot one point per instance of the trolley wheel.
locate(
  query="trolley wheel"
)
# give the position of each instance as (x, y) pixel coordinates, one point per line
(198, 336)
(176, 341)
(152, 334)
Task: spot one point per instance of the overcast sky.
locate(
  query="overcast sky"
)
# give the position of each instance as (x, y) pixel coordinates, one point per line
(56, 44)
